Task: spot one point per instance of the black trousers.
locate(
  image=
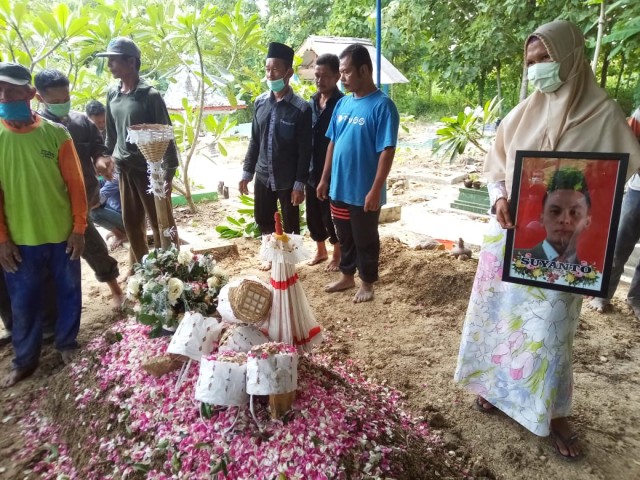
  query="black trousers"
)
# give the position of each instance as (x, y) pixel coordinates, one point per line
(266, 205)
(319, 219)
(359, 240)
(96, 254)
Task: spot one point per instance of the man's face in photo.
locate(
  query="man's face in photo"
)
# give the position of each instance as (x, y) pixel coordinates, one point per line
(565, 216)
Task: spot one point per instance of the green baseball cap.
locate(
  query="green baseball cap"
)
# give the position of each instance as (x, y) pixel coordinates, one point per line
(14, 73)
(121, 46)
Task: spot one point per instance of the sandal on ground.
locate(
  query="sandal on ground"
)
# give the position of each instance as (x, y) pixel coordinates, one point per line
(480, 403)
(569, 441)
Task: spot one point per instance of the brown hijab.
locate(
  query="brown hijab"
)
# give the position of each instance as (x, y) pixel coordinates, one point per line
(578, 117)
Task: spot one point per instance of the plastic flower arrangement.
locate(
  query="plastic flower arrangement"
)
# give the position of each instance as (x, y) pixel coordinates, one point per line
(575, 275)
(169, 283)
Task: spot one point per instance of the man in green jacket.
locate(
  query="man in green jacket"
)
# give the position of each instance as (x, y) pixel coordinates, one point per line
(133, 102)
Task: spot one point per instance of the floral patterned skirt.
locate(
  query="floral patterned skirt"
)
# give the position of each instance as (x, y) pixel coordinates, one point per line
(517, 342)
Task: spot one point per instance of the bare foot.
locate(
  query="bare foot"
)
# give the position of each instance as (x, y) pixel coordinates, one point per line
(345, 282)
(124, 278)
(16, 375)
(68, 356)
(265, 266)
(116, 243)
(117, 297)
(333, 265)
(600, 305)
(566, 440)
(115, 239)
(116, 302)
(317, 259)
(5, 340)
(364, 293)
(483, 405)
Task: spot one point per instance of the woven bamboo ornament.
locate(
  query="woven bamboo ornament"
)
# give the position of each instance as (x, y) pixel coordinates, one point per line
(153, 140)
(250, 301)
(224, 301)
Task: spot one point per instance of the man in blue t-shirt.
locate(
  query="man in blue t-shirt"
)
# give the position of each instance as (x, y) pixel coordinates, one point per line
(363, 134)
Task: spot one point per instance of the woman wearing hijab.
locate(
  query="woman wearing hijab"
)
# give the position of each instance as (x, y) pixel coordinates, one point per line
(517, 341)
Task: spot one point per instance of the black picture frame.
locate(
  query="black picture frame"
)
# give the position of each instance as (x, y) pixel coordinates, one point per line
(542, 181)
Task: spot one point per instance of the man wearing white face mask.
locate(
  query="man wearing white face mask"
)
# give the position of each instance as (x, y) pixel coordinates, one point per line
(52, 90)
(280, 147)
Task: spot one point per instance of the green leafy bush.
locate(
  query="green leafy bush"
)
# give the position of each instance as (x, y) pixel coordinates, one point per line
(468, 126)
(242, 226)
(245, 225)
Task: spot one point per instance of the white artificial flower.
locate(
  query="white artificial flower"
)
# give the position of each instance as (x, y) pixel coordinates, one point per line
(213, 282)
(175, 287)
(150, 285)
(184, 257)
(133, 287)
(218, 272)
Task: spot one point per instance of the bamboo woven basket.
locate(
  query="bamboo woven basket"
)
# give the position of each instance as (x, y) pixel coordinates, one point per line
(152, 139)
(158, 366)
(250, 301)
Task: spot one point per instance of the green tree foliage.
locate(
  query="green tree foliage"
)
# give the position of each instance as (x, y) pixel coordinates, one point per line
(212, 44)
(292, 21)
(470, 49)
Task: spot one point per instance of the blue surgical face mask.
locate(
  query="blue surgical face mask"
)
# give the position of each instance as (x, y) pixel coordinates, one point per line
(276, 85)
(545, 76)
(18, 111)
(59, 109)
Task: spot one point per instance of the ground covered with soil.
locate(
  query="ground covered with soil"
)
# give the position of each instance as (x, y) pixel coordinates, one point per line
(405, 340)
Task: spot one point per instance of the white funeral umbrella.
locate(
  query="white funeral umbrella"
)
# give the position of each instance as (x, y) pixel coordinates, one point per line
(291, 319)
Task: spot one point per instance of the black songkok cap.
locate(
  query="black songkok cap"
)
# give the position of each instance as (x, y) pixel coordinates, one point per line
(281, 51)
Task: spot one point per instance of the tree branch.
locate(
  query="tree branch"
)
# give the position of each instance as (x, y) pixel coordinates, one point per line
(24, 43)
(51, 50)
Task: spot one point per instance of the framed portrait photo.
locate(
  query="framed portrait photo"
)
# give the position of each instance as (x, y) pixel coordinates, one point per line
(566, 208)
